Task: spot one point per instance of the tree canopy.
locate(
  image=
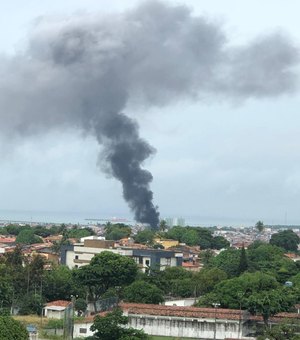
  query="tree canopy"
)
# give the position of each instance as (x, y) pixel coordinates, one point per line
(193, 236)
(11, 329)
(106, 270)
(228, 260)
(116, 231)
(144, 236)
(111, 327)
(143, 292)
(27, 236)
(269, 303)
(286, 239)
(259, 226)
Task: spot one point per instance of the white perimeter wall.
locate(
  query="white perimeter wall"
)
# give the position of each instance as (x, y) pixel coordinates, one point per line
(175, 327)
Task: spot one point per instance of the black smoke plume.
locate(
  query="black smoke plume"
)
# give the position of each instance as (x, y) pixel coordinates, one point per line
(82, 71)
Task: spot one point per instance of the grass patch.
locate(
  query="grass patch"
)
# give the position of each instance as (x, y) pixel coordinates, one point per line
(31, 320)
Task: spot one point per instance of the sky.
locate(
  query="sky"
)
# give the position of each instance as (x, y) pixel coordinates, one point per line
(216, 161)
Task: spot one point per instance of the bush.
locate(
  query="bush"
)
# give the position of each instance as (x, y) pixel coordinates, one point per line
(11, 329)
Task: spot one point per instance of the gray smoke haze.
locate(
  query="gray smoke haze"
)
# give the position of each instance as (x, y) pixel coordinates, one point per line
(81, 72)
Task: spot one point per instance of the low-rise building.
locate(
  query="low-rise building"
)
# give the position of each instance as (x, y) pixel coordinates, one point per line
(80, 254)
(56, 309)
(188, 322)
(166, 243)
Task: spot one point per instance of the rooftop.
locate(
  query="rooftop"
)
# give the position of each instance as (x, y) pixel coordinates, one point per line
(58, 303)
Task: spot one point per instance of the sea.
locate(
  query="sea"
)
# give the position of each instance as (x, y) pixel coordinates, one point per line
(89, 218)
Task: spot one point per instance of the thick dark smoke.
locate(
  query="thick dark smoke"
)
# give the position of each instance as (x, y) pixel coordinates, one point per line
(125, 151)
(81, 72)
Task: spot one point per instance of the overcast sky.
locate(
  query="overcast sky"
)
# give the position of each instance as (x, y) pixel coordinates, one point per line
(215, 161)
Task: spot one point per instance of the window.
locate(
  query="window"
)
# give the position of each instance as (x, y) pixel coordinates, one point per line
(82, 330)
(147, 262)
(168, 261)
(76, 257)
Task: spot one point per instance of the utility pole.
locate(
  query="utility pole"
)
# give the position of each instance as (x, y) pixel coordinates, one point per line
(216, 305)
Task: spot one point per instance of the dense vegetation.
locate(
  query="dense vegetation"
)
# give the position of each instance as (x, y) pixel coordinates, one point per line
(252, 278)
(192, 236)
(11, 329)
(111, 327)
(26, 234)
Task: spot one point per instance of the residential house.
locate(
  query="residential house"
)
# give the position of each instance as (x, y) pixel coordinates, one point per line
(80, 254)
(56, 309)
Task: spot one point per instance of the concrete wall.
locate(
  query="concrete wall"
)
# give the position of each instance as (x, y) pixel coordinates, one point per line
(181, 302)
(54, 314)
(80, 256)
(186, 327)
(176, 327)
(82, 330)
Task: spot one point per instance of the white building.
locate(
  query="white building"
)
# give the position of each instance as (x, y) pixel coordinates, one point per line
(80, 254)
(56, 309)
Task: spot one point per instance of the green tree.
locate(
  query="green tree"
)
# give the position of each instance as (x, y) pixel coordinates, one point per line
(143, 292)
(243, 265)
(191, 237)
(6, 286)
(17, 272)
(31, 303)
(256, 244)
(163, 225)
(206, 256)
(117, 231)
(15, 258)
(233, 292)
(269, 303)
(112, 327)
(174, 273)
(144, 236)
(205, 238)
(11, 329)
(296, 280)
(286, 239)
(80, 306)
(106, 270)
(270, 259)
(220, 242)
(182, 288)
(260, 226)
(27, 236)
(286, 330)
(228, 260)
(176, 281)
(78, 232)
(59, 283)
(13, 229)
(176, 233)
(42, 231)
(207, 278)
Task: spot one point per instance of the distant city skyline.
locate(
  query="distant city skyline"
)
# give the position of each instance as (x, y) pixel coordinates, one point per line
(215, 158)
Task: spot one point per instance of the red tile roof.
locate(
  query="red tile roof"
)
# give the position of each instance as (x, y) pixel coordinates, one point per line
(197, 312)
(192, 312)
(4, 239)
(190, 264)
(58, 303)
